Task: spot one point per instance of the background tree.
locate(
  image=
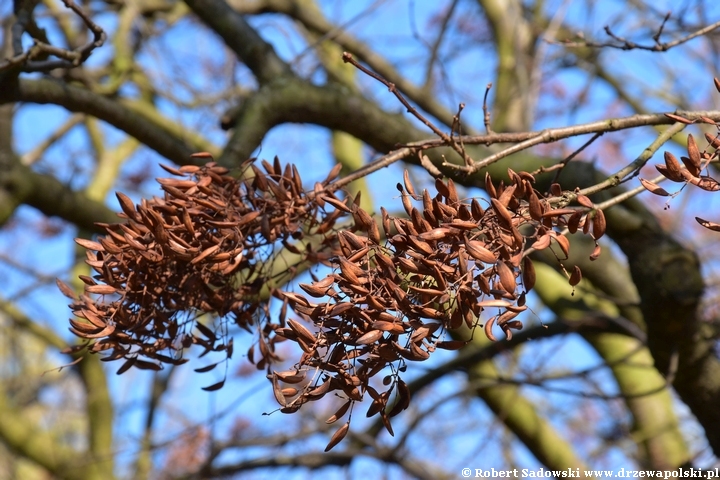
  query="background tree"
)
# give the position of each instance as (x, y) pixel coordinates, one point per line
(93, 97)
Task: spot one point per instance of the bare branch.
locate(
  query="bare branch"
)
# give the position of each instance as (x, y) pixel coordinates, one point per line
(625, 44)
(393, 89)
(75, 99)
(35, 58)
(256, 53)
(530, 139)
(321, 26)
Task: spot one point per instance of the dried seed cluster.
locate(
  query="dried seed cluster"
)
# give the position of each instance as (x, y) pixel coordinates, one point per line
(205, 247)
(692, 165)
(440, 268)
(399, 284)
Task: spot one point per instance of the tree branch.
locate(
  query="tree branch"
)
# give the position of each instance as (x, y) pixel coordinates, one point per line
(319, 25)
(625, 44)
(74, 99)
(259, 56)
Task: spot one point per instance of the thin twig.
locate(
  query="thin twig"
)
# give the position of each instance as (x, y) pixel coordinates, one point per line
(68, 58)
(530, 139)
(633, 169)
(486, 110)
(526, 139)
(382, 162)
(624, 44)
(656, 37)
(574, 154)
(348, 58)
(435, 49)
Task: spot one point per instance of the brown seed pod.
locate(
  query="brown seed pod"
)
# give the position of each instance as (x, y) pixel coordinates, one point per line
(476, 210)
(652, 188)
(574, 221)
(488, 329)
(291, 376)
(66, 289)
(338, 436)
(350, 271)
(489, 187)
(418, 221)
(100, 289)
(507, 277)
(374, 232)
(441, 188)
(354, 242)
(477, 250)
(564, 244)
(289, 392)
(408, 184)
(502, 213)
(707, 224)
(436, 233)
(673, 168)
(321, 288)
(713, 140)
(319, 197)
(90, 245)
(507, 195)
(575, 276)
(678, 118)
(528, 274)
(534, 206)
(667, 174)
(340, 205)
(599, 224)
(127, 205)
(694, 154)
(301, 331)
(385, 221)
(420, 245)
(558, 212)
(542, 242)
(370, 337)
(492, 303)
(586, 225)
(362, 219)
(205, 254)
(332, 175)
(690, 171)
(407, 205)
(277, 391)
(706, 183)
(596, 253)
(585, 201)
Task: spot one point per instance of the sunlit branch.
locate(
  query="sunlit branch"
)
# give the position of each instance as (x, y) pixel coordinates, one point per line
(530, 139)
(625, 44)
(321, 26)
(256, 53)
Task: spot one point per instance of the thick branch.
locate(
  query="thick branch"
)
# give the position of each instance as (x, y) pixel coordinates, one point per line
(256, 53)
(24, 438)
(515, 44)
(314, 22)
(74, 99)
(643, 389)
(313, 461)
